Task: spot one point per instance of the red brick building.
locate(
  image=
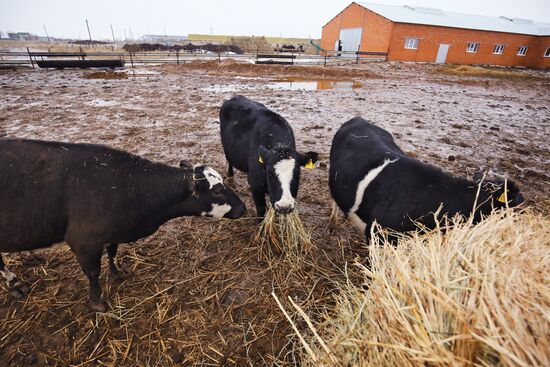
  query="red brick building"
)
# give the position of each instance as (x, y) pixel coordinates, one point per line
(408, 33)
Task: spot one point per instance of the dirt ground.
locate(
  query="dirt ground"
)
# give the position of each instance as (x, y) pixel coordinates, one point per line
(198, 292)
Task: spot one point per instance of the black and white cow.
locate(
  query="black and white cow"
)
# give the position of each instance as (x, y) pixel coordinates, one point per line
(261, 143)
(371, 178)
(91, 196)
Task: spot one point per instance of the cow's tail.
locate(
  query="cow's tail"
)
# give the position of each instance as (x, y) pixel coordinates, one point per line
(333, 219)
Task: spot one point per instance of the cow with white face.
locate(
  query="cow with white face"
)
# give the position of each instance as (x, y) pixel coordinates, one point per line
(261, 143)
(212, 198)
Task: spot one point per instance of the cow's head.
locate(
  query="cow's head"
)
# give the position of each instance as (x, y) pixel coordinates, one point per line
(282, 168)
(502, 192)
(211, 197)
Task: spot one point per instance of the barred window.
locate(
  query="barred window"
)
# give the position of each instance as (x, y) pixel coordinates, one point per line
(522, 51)
(498, 50)
(472, 47)
(411, 43)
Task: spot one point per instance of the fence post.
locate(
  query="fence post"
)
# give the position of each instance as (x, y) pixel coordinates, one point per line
(219, 58)
(357, 57)
(30, 57)
(178, 57)
(325, 64)
(131, 59)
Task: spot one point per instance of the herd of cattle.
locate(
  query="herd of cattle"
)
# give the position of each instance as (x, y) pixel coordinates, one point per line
(92, 196)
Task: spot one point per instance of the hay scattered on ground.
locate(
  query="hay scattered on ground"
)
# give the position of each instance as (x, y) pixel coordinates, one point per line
(480, 71)
(108, 74)
(283, 235)
(475, 295)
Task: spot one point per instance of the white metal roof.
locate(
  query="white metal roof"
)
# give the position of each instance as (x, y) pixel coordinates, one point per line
(430, 16)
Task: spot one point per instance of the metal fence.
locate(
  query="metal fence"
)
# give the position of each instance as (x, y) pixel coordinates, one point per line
(177, 57)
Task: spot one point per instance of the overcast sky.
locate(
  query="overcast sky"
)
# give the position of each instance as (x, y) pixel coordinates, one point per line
(287, 18)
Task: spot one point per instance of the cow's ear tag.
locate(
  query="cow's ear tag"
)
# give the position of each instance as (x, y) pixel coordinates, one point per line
(260, 159)
(502, 198)
(310, 164)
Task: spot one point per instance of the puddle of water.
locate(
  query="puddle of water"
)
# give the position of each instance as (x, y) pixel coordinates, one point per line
(313, 84)
(291, 84)
(119, 74)
(108, 74)
(139, 72)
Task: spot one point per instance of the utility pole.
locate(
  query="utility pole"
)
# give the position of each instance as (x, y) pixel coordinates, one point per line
(89, 33)
(125, 37)
(113, 33)
(45, 31)
(165, 41)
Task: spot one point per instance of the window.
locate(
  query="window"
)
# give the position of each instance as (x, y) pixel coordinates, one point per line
(498, 50)
(547, 53)
(522, 51)
(411, 43)
(472, 47)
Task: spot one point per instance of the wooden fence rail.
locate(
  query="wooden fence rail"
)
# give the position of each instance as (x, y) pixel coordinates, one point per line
(325, 57)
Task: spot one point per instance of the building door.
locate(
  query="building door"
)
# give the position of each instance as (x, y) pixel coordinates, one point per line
(351, 39)
(442, 54)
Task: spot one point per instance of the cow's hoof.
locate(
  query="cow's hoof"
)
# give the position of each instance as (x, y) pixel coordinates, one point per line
(16, 293)
(22, 287)
(120, 273)
(99, 306)
(18, 290)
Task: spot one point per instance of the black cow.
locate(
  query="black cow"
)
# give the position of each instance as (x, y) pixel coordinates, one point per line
(371, 178)
(261, 143)
(91, 196)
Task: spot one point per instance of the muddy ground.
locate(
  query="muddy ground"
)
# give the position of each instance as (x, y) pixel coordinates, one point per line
(198, 293)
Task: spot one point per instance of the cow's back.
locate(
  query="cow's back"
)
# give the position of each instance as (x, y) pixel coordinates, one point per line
(372, 179)
(245, 125)
(50, 187)
(357, 148)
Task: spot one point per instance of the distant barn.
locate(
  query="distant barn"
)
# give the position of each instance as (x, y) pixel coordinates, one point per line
(409, 33)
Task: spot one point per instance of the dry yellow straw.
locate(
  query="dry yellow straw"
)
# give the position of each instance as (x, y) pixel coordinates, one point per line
(472, 295)
(285, 234)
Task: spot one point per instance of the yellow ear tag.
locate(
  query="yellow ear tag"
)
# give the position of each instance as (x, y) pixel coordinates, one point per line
(260, 159)
(310, 164)
(502, 198)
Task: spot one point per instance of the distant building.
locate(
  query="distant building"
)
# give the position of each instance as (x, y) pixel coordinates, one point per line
(409, 33)
(155, 38)
(22, 36)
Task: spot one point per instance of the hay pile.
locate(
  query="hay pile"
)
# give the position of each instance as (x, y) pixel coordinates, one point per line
(250, 44)
(477, 295)
(283, 235)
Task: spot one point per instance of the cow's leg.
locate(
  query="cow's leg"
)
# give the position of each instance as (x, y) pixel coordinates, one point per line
(113, 268)
(229, 170)
(89, 258)
(258, 195)
(111, 253)
(15, 288)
